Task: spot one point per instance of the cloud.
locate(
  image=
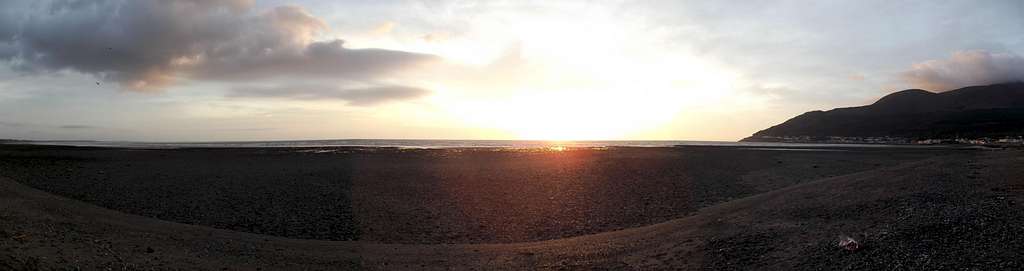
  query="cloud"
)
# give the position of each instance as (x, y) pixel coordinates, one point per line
(76, 127)
(11, 124)
(149, 44)
(354, 96)
(435, 37)
(384, 28)
(966, 68)
(26, 125)
(258, 129)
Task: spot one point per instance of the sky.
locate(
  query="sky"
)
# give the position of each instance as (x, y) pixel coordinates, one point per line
(215, 70)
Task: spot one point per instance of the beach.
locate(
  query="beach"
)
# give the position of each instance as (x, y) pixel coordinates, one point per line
(613, 208)
(511, 135)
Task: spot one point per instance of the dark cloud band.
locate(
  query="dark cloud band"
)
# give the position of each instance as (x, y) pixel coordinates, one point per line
(355, 96)
(966, 68)
(150, 44)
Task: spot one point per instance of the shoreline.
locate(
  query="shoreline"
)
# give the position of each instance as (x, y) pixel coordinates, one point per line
(459, 144)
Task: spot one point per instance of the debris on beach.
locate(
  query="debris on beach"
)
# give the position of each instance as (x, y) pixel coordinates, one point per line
(847, 243)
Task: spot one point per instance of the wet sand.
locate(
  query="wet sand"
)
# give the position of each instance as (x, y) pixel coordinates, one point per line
(953, 209)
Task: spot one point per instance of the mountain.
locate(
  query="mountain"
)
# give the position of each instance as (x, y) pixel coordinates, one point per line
(970, 112)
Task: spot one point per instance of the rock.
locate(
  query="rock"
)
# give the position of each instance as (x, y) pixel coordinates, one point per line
(847, 243)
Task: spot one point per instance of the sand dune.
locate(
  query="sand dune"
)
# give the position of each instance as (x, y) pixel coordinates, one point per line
(956, 211)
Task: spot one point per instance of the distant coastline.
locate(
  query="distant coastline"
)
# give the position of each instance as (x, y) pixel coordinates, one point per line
(446, 144)
(983, 141)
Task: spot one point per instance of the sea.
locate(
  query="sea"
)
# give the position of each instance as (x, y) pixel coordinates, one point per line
(440, 144)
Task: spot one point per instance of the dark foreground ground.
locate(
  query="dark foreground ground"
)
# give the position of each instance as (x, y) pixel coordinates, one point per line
(948, 210)
(426, 196)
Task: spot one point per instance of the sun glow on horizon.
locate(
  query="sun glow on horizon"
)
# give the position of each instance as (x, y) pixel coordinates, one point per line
(587, 115)
(598, 75)
(560, 79)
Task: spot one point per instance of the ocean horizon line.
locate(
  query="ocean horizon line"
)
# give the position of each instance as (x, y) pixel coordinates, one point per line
(426, 143)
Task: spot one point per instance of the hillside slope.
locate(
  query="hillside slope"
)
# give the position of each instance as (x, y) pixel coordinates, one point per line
(979, 111)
